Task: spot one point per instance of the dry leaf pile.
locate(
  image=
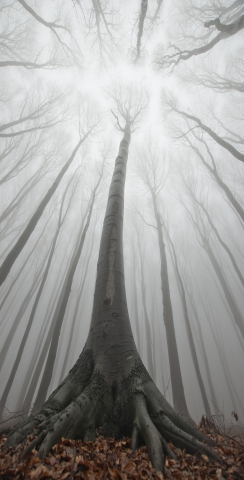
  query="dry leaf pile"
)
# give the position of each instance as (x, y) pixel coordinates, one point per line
(114, 460)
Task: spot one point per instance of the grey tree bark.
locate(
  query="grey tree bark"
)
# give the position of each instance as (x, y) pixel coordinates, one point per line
(108, 387)
(142, 16)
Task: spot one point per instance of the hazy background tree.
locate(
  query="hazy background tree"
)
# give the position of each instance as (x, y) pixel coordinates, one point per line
(53, 56)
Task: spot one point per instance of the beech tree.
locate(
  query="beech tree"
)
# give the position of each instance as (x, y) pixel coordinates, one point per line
(152, 172)
(61, 220)
(64, 296)
(18, 247)
(47, 266)
(114, 392)
(149, 342)
(189, 330)
(204, 238)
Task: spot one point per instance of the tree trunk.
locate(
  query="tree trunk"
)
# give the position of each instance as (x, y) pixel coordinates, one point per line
(178, 393)
(47, 375)
(143, 12)
(189, 330)
(33, 310)
(227, 375)
(205, 357)
(20, 314)
(23, 266)
(29, 396)
(108, 387)
(219, 181)
(76, 312)
(135, 304)
(149, 344)
(226, 248)
(14, 253)
(21, 195)
(238, 317)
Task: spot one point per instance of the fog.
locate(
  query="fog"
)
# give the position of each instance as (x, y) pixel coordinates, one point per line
(63, 66)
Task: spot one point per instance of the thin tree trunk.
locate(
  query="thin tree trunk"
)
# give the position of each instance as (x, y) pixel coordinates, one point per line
(34, 308)
(21, 195)
(80, 292)
(226, 248)
(230, 384)
(205, 357)
(14, 253)
(31, 368)
(143, 12)
(228, 295)
(178, 393)
(47, 375)
(154, 337)
(189, 330)
(217, 138)
(219, 181)
(135, 304)
(20, 314)
(149, 344)
(23, 266)
(225, 303)
(27, 396)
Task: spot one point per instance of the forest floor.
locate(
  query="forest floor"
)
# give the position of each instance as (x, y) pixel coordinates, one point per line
(110, 459)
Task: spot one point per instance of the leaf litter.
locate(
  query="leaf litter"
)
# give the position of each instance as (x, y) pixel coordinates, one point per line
(111, 459)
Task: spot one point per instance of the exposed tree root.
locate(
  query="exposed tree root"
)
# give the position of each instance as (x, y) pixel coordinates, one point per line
(133, 407)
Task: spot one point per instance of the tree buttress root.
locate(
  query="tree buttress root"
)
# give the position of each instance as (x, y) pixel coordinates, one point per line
(135, 408)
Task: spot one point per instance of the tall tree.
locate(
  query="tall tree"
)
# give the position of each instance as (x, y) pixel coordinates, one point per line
(235, 310)
(21, 242)
(141, 20)
(149, 340)
(108, 387)
(61, 220)
(152, 173)
(188, 327)
(63, 300)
